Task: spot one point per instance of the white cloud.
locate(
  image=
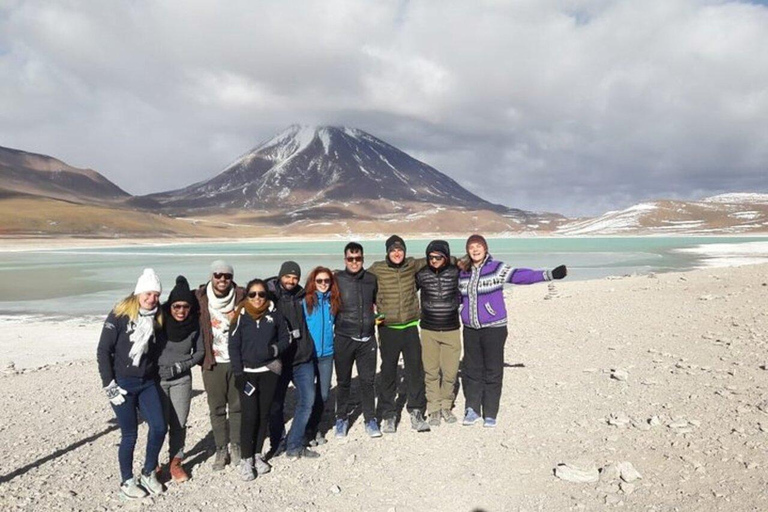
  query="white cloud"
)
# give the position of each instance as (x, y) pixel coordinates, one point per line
(574, 107)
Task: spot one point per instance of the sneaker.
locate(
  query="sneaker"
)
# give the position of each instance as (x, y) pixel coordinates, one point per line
(178, 474)
(246, 469)
(320, 439)
(470, 418)
(294, 455)
(341, 428)
(418, 423)
(448, 416)
(372, 428)
(389, 425)
(434, 419)
(151, 483)
(262, 467)
(234, 454)
(221, 460)
(131, 490)
(489, 422)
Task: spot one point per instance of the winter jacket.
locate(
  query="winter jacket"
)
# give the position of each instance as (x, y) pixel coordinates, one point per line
(320, 324)
(114, 346)
(256, 343)
(187, 352)
(209, 361)
(396, 298)
(358, 295)
(482, 291)
(440, 297)
(288, 303)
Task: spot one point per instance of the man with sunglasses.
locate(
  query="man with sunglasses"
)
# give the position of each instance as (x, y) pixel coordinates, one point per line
(398, 303)
(355, 340)
(217, 299)
(440, 338)
(298, 365)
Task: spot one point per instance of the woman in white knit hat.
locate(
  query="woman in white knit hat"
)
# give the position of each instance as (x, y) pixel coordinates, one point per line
(127, 357)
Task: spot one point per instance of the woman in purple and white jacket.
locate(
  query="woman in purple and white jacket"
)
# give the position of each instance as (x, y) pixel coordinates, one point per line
(484, 315)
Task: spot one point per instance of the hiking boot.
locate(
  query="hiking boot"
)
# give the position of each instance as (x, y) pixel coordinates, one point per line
(434, 419)
(389, 425)
(372, 428)
(151, 483)
(470, 418)
(131, 490)
(178, 474)
(418, 423)
(341, 428)
(294, 455)
(234, 454)
(489, 422)
(221, 460)
(448, 416)
(246, 469)
(262, 466)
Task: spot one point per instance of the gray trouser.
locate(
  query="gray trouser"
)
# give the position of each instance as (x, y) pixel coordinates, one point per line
(219, 384)
(176, 396)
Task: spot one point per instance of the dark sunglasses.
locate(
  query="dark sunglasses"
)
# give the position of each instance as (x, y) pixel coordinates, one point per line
(221, 275)
(180, 306)
(438, 257)
(322, 281)
(354, 259)
(253, 295)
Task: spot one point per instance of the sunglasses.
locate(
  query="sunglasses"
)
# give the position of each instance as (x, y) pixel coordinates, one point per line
(438, 257)
(253, 295)
(180, 306)
(354, 259)
(221, 275)
(322, 281)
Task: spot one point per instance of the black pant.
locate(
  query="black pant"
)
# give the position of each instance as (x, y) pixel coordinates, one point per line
(347, 351)
(255, 412)
(483, 369)
(393, 343)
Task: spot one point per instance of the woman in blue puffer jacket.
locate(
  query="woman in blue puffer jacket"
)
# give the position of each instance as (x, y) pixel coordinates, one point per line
(321, 304)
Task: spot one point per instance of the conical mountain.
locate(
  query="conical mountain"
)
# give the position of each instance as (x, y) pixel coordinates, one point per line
(313, 165)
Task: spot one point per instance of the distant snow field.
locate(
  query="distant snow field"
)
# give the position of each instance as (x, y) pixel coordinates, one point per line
(730, 255)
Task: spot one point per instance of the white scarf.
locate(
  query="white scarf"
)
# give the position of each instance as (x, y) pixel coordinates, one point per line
(143, 329)
(219, 307)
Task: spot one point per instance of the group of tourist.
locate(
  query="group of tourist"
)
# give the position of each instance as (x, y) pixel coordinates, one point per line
(253, 341)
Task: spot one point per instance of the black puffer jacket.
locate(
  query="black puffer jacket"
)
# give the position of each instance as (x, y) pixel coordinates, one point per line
(251, 341)
(358, 295)
(440, 297)
(288, 303)
(112, 353)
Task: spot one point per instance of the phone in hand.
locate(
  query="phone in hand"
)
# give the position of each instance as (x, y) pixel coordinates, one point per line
(249, 389)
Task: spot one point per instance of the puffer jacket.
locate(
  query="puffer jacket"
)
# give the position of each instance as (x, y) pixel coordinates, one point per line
(288, 303)
(440, 297)
(358, 296)
(251, 341)
(396, 298)
(320, 324)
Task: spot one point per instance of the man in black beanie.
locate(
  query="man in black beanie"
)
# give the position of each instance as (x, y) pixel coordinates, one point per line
(397, 302)
(286, 293)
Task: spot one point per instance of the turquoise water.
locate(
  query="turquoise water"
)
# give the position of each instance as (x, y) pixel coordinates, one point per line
(75, 283)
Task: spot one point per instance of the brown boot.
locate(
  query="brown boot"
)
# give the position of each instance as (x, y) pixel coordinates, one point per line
(177, 472)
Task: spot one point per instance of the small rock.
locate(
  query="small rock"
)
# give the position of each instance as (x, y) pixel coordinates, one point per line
(335, 489)
(654, 421)
(618, 419)
(571, 473)
(763, 406)
(627, 488)
(628, 472)
(619, 374)
(610, 473)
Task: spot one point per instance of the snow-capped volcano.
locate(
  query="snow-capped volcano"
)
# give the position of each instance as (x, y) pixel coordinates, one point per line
(312, 165)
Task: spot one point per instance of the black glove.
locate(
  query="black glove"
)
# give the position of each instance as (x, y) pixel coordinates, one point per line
(169, 372)
(240, 381)
(559, 272)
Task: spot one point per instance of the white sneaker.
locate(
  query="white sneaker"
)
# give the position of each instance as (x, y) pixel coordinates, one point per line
(150, 483)
(246, 469)
(262, 467)
(131, 490)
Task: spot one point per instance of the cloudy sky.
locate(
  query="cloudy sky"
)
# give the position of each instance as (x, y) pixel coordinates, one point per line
(576, 106)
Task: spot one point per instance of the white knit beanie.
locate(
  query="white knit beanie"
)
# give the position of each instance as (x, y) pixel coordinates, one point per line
(148, 282)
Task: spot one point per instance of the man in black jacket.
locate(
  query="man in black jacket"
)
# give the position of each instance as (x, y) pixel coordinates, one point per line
(440, 340)
(355, 340)
(287, 294)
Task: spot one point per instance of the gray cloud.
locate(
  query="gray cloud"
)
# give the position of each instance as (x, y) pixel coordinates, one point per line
(574, 107)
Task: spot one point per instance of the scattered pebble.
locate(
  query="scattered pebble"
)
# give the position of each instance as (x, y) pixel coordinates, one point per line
(572, 473)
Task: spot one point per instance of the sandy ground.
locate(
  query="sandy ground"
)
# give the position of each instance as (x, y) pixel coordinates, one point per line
(692, 346)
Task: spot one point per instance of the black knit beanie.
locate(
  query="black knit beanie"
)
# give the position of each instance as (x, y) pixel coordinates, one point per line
(182, 293)
(290, 268)
(440, 246)
(394, 242)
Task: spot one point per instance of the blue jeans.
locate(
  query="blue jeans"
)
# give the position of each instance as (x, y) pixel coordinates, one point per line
(303, 377)
(142, 396)
(324, 373)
